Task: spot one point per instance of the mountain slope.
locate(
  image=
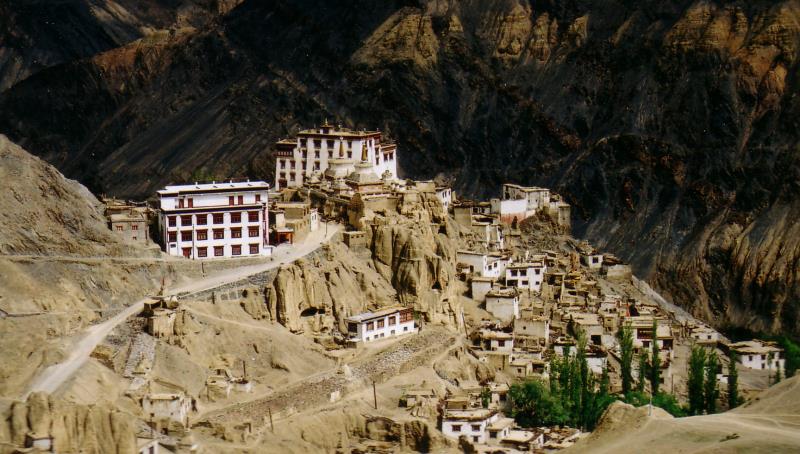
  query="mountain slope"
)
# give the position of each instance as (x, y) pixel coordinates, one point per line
(670, 126)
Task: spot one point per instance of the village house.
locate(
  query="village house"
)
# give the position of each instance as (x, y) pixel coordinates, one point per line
(215, 220)
(642, 328)
(445, 196)
(171, 407)
(503, 303)
(526, 275)
(292, 221)
(592, 259)
(760, 355)
(498, 393)
(313, 151)
(129, 220)
(480, 286)
(418, 394)
(496, 340)
(536, 198)
(532, 332)
(527, 367)
(471, 423)
(482, 264)
(387, 322)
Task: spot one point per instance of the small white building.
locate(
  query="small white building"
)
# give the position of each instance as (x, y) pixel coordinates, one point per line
(511, 210)
(388, 322)
(532, 330)
(503, 303)
(526, 275)
(215, 220)
(496, 341)
(480, 286)
(472, 423)
(445, 195)
(536, 198)
(759, 355)
(482, 264)
(170, 406)
(593, 260)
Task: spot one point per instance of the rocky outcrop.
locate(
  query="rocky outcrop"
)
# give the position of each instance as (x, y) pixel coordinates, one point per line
(317, 294)
(73, 428)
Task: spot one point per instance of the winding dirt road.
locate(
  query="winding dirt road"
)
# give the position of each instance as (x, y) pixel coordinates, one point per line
(52, 377)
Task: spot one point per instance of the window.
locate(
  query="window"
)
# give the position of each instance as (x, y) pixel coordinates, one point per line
(254, 248)
(252, 232)
(501, 343)
(406, 315)
(135, 227)
(492, 434)
(316, 154)
(380, 323)
(219, 218)
(236, 249)
(202, 235)
(180, 203)
(186, 235)
(172, 222)
(524, 283)
(202, 219)
(186, 220)
(219, 234)
(236, 233)
(392, 321)
(370, 326)
(119, 228)
(173, 237)
(252, 216)
(187, 252)
(475, 438)
(202, 252)
(258, 198)
(456, 427)
(316, 166)
(230, 200)
(513, 272)
(219, 251)
(191, 202)
(236, 218)
(241, 200)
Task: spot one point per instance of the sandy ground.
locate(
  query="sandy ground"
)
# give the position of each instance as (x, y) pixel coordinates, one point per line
(768, 424)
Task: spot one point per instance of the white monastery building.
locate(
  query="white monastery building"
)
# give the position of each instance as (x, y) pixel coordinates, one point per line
(312, 149)
(215, 220)
(388, 322)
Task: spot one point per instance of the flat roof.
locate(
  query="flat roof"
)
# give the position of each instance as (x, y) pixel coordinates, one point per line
(219, 186)
(379, 313)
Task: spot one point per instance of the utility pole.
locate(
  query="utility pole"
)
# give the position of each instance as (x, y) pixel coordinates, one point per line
(271, 427)
(374, 395)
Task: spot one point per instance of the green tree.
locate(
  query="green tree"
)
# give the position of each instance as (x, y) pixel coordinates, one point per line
(697, 363)
(532, 404)
(791, 354)
(711, 391)
(778, 376)
(640, 383)
(486, 397)
(655, 362)
(625, 337)
(733, 380)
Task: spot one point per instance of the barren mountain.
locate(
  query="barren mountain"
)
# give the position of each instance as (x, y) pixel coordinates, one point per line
(670, 125)
(38, 34)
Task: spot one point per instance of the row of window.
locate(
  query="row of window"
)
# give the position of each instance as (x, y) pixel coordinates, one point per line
(475, 427)
(217, 234)
(120, 227)
(217, 218)
(219, 251)
(371, 326)
(188, 202)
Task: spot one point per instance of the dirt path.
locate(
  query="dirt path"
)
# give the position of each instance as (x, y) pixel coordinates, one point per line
(52, 377)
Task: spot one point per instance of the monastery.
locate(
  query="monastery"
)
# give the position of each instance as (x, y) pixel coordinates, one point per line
(315, 151)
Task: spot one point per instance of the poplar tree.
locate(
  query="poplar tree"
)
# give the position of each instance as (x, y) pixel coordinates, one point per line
(733, 380)
(711, 391)
(697, 363)
(625, 337)
(640, 384)
(655, 362)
